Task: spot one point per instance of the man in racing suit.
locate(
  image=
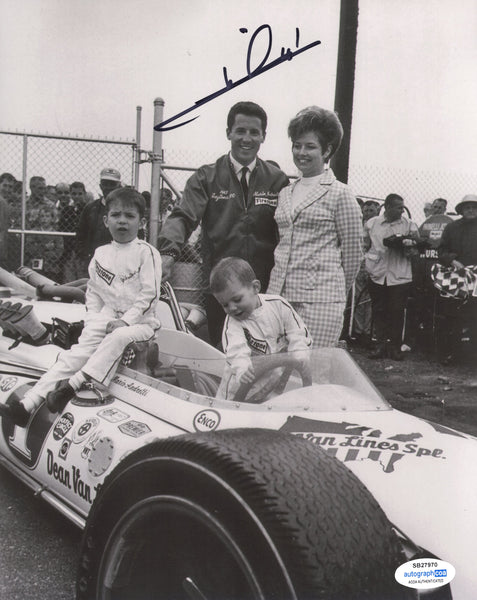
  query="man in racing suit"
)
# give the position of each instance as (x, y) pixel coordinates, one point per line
(235, 207)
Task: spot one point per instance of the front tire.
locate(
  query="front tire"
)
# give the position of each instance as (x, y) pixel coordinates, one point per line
(236, 515)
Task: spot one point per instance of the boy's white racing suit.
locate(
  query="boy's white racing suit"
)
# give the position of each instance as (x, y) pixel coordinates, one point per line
(124, 284)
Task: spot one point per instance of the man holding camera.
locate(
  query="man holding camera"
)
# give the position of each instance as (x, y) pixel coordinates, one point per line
(389, 241)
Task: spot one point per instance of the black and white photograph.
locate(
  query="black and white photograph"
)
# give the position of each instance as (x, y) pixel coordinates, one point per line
(238, 300)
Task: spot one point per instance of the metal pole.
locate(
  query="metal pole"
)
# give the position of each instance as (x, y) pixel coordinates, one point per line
(138, 147)
(156, 172)
(344, 90)
(24, 184)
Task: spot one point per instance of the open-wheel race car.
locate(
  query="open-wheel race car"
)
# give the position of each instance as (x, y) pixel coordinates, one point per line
(298, 487)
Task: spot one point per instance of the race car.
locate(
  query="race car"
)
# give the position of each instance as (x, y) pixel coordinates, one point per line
(298, 487)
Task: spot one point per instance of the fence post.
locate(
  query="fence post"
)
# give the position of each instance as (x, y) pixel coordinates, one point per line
(156, 172)
(137, 157)
(24, 184)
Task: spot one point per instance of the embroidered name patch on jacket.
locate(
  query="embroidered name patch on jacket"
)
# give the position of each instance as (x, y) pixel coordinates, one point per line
(266, 200)
(258, 345)
(103, 273)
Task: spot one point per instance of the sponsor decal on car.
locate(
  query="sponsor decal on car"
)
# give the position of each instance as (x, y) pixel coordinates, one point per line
(350, 442)
(85, 453)
(64, 448)
(7, 382)
(70, 478)
(63, 425)
(134, 428)
(113, 415)
(206, 420)
(83, 430)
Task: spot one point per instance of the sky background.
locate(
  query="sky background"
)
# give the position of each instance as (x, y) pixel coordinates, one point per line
(81, 67)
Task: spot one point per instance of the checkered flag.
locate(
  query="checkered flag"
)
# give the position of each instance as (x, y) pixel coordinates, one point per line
(454, 283)
(128, 356)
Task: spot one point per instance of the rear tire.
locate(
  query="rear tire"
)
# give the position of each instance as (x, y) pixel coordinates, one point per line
(237, 515)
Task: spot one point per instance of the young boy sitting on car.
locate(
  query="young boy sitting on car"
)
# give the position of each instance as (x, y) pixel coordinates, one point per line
(255, 323)
(121, 299)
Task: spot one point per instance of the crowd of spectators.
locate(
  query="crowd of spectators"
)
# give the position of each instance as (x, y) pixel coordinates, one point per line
(66, 208)
(395, 305)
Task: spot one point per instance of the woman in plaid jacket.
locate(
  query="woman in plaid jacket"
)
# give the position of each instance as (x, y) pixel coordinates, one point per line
(319, 222)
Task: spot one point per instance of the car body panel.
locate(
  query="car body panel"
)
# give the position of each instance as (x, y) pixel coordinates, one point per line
(420, 473)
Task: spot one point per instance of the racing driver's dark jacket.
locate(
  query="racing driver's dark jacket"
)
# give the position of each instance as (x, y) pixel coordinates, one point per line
(231, 226)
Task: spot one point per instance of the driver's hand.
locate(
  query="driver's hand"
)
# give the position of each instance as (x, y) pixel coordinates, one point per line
(247, 376)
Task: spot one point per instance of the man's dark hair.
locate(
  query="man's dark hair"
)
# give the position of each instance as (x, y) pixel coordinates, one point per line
(250, 109)
(128, 195)
(78, 184)
(7, 176)
(440, 200)
(36, 178)
(391, 198)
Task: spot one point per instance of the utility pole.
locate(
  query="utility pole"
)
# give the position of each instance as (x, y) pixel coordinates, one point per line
(344, 90)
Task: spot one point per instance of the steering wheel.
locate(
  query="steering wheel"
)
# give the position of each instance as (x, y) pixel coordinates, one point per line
(290, 364)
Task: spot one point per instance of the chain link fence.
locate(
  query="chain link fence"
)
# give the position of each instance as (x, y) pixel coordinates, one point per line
(415, 186)
(44, 213)
(46, 243)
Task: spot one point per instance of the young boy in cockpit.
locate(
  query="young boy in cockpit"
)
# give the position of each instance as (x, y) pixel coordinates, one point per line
(255, 323)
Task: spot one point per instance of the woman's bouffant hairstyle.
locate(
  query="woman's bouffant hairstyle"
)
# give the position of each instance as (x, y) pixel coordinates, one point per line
(229, 269)
(324, 123)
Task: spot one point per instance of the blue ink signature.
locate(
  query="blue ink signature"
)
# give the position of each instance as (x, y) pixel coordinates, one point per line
(251, 73)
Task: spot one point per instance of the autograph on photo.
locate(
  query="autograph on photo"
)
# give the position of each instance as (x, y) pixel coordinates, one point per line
(251, 73)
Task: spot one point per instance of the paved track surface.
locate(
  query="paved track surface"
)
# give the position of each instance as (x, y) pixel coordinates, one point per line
(38, 547)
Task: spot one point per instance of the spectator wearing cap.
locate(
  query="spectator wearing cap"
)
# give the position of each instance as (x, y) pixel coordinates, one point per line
(92, 232)
(458, 248)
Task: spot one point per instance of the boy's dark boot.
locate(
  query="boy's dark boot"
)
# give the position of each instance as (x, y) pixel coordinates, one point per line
(16, 412)
(59, 398)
